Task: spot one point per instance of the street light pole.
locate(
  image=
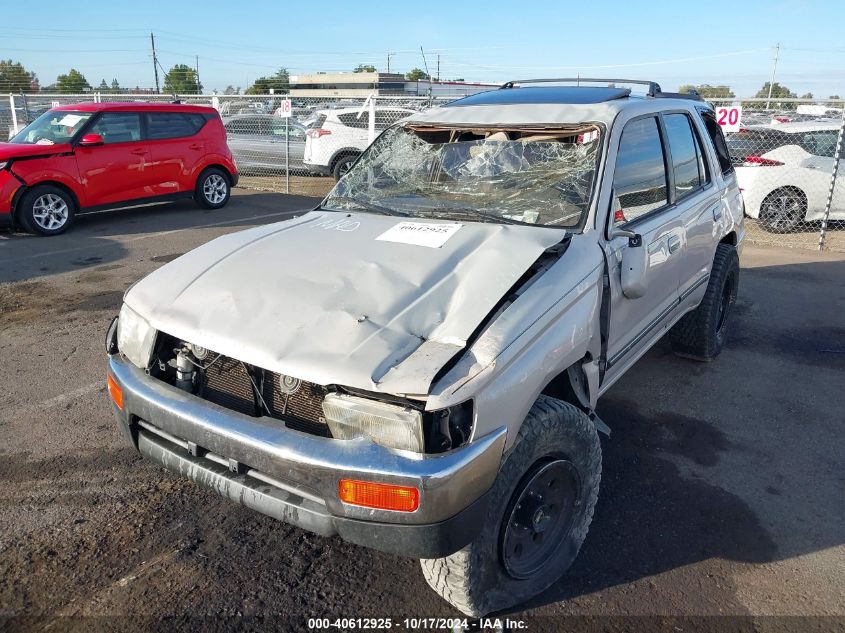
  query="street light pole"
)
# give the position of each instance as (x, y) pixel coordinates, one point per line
(774, 70)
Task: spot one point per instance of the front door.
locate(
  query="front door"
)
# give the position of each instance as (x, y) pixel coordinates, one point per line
(122, 168)
(641, 204)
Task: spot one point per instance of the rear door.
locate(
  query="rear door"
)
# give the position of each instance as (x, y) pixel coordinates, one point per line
(120, 169)
(641, 203)
(821, 145)
(697, 201)
(177, 149)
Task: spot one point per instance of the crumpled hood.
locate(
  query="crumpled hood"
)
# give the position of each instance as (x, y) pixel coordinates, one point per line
(321, 298)
(24, 150)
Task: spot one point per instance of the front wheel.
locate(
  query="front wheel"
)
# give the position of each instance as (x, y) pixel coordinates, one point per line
(46, 210)
(213, 188)
(540, 510)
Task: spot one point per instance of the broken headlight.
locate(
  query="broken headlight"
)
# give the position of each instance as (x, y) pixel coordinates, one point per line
(135, 337)
(390, 425)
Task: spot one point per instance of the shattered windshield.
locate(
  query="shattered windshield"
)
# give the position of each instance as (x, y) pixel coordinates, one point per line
(509, 176)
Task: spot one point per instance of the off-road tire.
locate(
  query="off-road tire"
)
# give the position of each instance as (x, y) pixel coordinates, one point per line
(213, 174)
(24, 213)
(474, 579)
(342, 165)
(701, 334)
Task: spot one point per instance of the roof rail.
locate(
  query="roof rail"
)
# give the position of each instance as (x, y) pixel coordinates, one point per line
(653, 87)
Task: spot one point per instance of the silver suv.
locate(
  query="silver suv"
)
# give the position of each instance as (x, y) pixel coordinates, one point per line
(414, 365)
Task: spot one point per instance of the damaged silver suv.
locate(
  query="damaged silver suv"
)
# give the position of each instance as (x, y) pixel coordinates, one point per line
(414, 365)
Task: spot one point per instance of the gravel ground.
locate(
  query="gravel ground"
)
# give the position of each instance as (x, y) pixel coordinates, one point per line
(721, 507)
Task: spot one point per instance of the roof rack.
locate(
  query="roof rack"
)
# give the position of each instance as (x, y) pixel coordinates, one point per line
(654, 89)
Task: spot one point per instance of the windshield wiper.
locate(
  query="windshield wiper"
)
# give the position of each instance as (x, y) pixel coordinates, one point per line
(481, 214)
(369, 206)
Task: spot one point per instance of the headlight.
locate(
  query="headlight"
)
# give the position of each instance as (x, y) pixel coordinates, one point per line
(135, 337)
(3, 164)
(390, 425)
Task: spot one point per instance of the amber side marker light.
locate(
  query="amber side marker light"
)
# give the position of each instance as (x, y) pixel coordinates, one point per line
(381, 496)
(115, 392)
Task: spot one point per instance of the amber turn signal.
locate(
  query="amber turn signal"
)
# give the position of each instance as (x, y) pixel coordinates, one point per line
(115, 392)
(381, 496)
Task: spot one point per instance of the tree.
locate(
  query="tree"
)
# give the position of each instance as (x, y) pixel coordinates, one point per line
(231, 90)
(15, 78)
(73, 82)
(182, 79)
(416, 74)
(279, 82)
(103, 87)
(364, 68)
(808, 95)
(778, 92)
(709, 92)
(115, 86)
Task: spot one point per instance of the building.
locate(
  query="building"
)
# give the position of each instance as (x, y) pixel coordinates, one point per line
(363, 84)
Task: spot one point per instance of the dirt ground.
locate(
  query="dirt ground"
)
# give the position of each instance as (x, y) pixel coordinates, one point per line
(721, 508)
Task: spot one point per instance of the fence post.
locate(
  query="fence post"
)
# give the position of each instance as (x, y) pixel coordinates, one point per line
(837, 156)
(14, 115)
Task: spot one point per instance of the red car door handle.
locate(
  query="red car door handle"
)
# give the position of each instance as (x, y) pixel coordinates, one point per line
(139, 152)
(194, 146)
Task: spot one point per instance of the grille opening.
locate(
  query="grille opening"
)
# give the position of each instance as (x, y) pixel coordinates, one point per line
(247, 389)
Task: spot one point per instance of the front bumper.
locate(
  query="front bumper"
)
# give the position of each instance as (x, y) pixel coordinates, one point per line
(294, 476)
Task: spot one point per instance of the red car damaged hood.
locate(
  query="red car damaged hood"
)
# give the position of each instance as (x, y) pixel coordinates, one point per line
(344, 298)
(30, 150)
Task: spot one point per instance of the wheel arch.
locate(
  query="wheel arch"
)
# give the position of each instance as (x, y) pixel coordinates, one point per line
(343, 153)
(22, 191)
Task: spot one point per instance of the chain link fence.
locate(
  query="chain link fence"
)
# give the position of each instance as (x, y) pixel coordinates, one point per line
(787, 153)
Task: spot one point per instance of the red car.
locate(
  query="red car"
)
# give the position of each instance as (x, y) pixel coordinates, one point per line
(90, 156)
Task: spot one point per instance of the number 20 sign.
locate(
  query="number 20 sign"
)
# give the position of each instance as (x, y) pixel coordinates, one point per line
(729, 118)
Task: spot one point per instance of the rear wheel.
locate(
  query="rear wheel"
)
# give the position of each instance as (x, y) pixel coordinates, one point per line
(213, 188)
(783, 210)
(46, 210)
(343, 165)
(701, 334)
(540, 509)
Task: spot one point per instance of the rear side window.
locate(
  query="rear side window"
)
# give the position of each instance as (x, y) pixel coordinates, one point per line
(687, 164)
(717, 140)
(350, 119)
(118, 127)
(639, 181)
(163, 125)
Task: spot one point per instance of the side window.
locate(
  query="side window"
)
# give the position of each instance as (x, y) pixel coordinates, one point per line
(350, 119)
(821, 143)
(118, 127)
(687, 165)
(164, 125)
(718, 141)
(639, 181)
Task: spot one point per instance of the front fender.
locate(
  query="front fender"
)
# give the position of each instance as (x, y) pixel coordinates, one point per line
(552, 325)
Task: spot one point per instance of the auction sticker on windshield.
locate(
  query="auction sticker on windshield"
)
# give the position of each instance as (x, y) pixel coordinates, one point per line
(420, 233)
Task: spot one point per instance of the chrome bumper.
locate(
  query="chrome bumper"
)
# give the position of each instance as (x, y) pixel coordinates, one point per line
(289, 474)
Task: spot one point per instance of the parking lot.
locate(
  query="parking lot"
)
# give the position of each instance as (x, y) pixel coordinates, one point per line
(722, 487)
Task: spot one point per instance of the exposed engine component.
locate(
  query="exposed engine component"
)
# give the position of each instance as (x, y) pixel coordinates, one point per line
(185, 370)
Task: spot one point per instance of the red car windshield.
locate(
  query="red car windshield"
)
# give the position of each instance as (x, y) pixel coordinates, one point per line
(52, 128)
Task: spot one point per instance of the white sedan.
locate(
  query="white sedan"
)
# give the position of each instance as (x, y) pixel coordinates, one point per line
(784, 173)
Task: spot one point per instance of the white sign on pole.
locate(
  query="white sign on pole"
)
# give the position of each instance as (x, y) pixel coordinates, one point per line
(285, 109)
(729, 118)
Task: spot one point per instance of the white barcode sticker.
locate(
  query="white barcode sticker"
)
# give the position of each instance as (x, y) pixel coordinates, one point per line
(420, 233)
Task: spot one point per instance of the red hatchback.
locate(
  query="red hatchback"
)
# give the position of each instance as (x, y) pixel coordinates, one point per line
(90, 156)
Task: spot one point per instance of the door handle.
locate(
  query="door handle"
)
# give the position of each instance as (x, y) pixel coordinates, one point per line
(194, 146)
(139, 152)
(717, 213)
(674, 244)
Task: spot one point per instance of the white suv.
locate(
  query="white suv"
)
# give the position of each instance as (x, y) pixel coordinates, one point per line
(338, 137)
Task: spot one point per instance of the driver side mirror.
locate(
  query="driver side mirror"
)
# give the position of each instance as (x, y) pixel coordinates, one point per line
(634, 265)
(91, 140)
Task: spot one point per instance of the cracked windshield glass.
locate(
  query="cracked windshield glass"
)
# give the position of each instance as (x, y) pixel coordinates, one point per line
(540, 177)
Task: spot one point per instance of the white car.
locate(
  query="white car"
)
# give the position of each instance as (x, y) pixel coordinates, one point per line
(338, 137)
(784, 173)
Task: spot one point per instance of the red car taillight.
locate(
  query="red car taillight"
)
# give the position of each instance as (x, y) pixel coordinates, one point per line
(760, 161)
(317, 132)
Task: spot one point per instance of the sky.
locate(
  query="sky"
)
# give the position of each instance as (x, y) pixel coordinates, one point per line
(674, 43)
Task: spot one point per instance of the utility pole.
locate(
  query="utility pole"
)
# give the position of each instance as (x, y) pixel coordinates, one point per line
(198, 73)
(438, 66)
(155, 61)
(774, 70)
(389, 55)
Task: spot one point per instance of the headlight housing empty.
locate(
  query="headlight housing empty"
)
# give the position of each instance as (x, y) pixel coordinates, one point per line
(135, 337)
(390, 425)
